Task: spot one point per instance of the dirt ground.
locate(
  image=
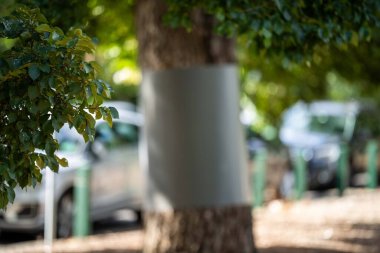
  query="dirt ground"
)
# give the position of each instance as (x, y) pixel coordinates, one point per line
(326, 225)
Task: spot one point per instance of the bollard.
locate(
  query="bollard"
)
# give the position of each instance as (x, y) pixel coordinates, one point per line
(300, 175)
(49, 223)
(82, 202)
(372, 164)
(259, 177)
(342, 173)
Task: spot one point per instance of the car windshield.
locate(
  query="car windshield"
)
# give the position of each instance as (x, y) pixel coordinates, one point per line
(302, 118)
(69, 140)
(330, 124)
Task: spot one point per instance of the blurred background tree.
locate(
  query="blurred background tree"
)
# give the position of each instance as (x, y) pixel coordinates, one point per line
(272, 85)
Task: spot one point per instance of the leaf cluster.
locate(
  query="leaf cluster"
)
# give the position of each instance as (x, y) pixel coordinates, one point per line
(290, 28)
(45, 82)
(64, 14)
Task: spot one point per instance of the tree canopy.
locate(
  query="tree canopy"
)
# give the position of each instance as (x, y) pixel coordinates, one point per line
(288, 28)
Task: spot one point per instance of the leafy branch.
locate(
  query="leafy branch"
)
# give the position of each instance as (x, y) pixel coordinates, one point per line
(45, 83)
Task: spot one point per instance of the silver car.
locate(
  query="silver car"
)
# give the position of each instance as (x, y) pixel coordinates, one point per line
(115, 181)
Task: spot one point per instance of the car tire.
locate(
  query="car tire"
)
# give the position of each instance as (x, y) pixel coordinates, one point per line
(65, 214)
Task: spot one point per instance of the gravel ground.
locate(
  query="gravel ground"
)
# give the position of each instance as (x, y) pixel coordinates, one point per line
(323, 225)
(326, 225)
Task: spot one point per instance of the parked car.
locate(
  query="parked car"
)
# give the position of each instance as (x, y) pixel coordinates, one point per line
(318, 129)
(115, 181)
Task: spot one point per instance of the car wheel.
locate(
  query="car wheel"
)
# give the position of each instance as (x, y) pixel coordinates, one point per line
(65, 215)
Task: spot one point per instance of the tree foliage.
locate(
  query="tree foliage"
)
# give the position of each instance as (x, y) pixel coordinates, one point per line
(334, 74)
(290, 28)
(63, 14)
(45, 82)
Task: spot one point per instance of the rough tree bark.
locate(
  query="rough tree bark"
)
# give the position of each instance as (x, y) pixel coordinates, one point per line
(202, 228)
(162, 48)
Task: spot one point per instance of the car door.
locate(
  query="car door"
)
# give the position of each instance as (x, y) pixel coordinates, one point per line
(114, 166)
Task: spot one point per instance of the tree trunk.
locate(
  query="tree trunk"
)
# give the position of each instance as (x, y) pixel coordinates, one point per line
(196, 168)
(161, 47)
(221, 229)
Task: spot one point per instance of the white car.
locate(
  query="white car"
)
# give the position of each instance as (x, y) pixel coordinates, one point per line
(115, 181)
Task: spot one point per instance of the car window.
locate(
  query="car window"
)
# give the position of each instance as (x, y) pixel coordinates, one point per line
(126, 133)
(121, 133)
(327, 124)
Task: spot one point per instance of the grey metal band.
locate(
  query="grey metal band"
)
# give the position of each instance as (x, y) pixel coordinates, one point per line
(196, 155)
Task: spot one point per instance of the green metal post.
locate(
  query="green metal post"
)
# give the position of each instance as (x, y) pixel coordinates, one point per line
(259, 177)
(342, 173)
(372, 164)
(82, 202)
(300, 167)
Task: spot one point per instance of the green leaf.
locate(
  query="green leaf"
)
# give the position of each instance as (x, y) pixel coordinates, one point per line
(63, 162)
(24, 137)
(109, 120)
(43, 28)
(53, 164)
(72, 43)
(78, 120)
(90, 120)
(3, 198)
(44, 68)
(36, 138)
(114, 112)
(12, 117)
(52, 82)
(96, 66)
(50, 147)
(56, 124)
(85, 44)
(33, 71)
(106, 93)
(43, 105)
(26, 35)
(98, 114)
(3, 168)
(40, 162)
(89, 96)
(355, 39)
(33, 92)
(33, 108)
(87, 67)
(11, 194)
